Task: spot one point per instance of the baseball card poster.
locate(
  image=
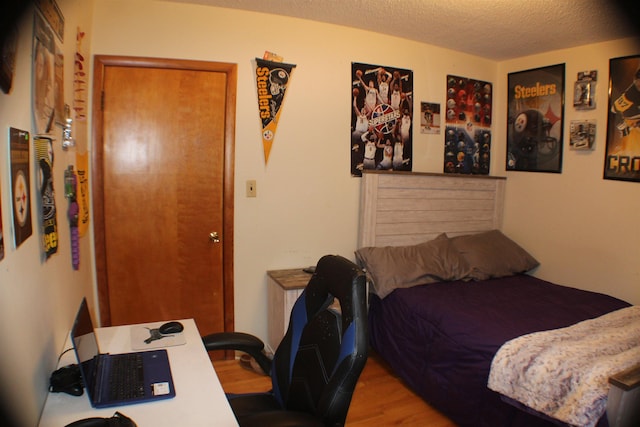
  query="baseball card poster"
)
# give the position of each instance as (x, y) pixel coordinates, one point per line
(381, 118)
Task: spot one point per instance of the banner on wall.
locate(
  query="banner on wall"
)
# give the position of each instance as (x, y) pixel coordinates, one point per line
(48, 220)
(82, 174)
(272, 79)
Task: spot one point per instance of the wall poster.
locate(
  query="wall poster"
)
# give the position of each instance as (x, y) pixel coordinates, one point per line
(535, 119)
(381, 118)
(468, 126)
(44, 76)
(43, 148)
(19, 141)
(622, 159)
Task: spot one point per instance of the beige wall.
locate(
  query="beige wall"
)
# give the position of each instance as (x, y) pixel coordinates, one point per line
(307, 203)
(38, 299)
(583, 229)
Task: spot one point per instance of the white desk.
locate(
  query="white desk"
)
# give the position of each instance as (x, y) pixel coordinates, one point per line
(199, 401)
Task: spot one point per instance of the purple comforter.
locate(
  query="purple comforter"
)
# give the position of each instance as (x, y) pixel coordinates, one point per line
(440, 338)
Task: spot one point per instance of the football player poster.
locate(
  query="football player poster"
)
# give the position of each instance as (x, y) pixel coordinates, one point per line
(272, 79)
(468, 126)
(381, 118)
(622, 159)
(20, 184)
(535, 119)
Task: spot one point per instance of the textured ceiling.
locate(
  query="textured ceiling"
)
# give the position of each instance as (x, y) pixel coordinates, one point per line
(494, 29)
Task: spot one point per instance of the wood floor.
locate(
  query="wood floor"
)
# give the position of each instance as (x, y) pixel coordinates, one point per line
(380, 398)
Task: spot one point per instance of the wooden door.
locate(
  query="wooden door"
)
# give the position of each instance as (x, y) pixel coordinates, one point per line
(163, 183)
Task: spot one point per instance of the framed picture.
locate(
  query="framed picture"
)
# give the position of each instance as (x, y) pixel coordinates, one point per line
(622, 158)
(584, 90)
(467, 145)
(535, 119)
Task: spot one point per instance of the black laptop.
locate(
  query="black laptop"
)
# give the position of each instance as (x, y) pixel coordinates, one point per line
(119, 379)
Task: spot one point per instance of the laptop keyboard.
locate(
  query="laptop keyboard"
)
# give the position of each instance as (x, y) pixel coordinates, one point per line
(126, 376)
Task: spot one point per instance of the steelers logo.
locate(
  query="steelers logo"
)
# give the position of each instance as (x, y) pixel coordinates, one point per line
(21, 199)
(520, 124)
(267, 135)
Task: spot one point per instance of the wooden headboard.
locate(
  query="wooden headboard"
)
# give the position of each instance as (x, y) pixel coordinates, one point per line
(405, 208)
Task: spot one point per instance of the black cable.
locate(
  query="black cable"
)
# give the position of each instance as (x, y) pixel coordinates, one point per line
(62, 354)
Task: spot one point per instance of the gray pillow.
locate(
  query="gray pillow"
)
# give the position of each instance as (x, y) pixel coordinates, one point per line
(491, 254)
(392, 267)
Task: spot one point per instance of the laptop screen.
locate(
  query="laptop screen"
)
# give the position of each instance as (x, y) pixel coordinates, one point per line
(85, 345)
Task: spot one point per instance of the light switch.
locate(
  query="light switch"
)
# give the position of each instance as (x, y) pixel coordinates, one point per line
(251, 188)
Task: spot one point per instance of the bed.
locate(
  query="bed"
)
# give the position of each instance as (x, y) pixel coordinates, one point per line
(435, 316)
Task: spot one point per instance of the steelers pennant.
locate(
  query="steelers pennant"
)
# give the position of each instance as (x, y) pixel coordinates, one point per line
(272, 79)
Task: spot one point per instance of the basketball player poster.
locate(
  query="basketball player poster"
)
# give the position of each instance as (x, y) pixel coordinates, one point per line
(381, 118)
(272, 79)
(622, 160)
(20, 184)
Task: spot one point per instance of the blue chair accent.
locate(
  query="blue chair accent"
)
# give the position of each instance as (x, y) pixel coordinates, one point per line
(316, 366)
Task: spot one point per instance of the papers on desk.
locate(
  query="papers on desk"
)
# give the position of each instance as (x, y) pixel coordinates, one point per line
(147, 337)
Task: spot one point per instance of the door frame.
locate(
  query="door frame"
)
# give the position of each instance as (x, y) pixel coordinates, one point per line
(97, 158)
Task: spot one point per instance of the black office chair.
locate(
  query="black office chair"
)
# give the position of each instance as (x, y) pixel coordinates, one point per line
(316, 366)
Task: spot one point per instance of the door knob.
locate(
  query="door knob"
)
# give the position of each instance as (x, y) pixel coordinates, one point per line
(213, 237)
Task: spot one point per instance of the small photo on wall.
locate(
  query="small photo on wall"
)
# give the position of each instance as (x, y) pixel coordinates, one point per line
(381, 118)
(429, 117)
(582, 134)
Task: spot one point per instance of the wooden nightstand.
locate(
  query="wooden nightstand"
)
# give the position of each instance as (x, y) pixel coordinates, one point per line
(284, 288)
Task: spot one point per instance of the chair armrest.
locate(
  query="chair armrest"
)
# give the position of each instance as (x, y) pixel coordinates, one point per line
(239, 341)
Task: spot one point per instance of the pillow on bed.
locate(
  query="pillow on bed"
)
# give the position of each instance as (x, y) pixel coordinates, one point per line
(492, 254)
(392, 267)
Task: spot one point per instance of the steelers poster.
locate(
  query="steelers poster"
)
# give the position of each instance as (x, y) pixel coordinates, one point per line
(20, 184)
(622, 159)
(381, 118)
(47, 201)
(535, 119)
(468, 126)
(272, 80)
